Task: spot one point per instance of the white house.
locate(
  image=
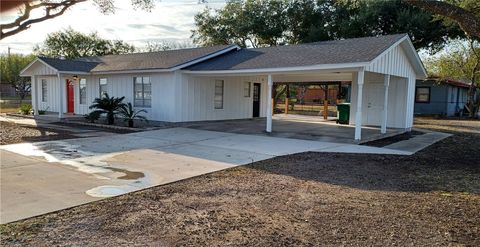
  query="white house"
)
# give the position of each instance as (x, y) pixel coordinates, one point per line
(228, 82)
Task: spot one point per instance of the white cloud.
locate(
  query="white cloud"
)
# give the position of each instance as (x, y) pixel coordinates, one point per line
(169, 20)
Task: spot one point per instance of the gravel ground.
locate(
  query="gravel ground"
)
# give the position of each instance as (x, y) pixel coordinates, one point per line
(15, 133)
(431, 198)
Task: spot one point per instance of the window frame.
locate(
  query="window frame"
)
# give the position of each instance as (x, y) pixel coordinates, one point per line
(84, 95)
(143, 99)
(100, 87)
(222, 95)
(247, 89)
(44, 90)
(423, 101)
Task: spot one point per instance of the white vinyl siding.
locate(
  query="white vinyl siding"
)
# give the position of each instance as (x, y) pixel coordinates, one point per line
(218, 98)
(83, 91)
(142, 92)
(44, 90)
(103, 86)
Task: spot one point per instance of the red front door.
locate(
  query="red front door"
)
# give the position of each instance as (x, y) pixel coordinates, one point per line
(70, 96)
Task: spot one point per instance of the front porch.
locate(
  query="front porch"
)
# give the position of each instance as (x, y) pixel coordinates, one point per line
(297, 127)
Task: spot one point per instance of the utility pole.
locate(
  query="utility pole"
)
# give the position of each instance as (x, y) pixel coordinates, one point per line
(8, 51)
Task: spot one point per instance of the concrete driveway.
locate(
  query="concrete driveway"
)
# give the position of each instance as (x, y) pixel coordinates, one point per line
(38, 178)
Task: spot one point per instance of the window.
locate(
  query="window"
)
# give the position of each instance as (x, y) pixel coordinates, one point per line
(103, 86)
(218, 100)
(142, 91)
(422, 95)
(246, 89)
(44, 90)
(83, 91)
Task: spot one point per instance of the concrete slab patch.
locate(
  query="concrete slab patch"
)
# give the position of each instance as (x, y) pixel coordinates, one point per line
(231, 156)
(47, 176)
(419, 142)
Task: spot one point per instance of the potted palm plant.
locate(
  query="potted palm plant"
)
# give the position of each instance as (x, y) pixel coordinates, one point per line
(129, 114)
(108, 105)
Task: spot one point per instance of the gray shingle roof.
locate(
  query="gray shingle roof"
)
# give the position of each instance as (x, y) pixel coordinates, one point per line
(135, 61)
(325, 52)
(152, 60)
(69, 65)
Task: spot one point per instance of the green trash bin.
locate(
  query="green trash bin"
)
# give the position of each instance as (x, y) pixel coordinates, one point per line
(343, 113)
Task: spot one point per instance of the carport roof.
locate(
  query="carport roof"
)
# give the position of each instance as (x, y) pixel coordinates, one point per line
(355, 50)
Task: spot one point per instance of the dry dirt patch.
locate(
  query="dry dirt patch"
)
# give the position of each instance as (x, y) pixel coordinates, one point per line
(14, 133)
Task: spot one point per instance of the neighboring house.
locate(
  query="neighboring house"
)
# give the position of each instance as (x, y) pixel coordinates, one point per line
(317, 94)
(228, 82)
(435, 97)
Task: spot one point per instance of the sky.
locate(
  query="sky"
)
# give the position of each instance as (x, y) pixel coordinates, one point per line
(170, 20)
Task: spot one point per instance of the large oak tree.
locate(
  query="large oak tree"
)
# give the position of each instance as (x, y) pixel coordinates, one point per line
(273, 22)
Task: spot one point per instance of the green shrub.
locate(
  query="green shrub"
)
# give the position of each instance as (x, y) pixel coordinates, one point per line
(26, 109)
(108, 105)
(93, 116)
(129, 114)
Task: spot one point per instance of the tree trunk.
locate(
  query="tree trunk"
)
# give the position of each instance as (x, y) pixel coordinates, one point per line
(110, 118)
(130, 123)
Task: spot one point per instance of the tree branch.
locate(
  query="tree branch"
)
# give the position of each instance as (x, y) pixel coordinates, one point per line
(467, 20)
(23, 22)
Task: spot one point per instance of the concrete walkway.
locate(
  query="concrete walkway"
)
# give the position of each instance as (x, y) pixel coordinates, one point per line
(38, 178)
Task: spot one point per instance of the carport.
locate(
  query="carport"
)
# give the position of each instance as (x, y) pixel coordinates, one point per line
(382, 72)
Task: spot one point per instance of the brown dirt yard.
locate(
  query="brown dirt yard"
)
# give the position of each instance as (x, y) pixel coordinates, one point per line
(431, 198)
(15, 133)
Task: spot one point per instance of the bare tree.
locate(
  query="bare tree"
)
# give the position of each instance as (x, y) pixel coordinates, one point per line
(52, 9)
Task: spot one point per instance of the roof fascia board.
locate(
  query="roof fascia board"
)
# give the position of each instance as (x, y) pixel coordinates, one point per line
(131, 71)
(389, 49)
(74, 72)
(419, 61)
(326, 67)
(412, 50)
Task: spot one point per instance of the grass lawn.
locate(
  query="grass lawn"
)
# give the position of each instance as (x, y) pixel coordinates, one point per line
(9, 109)
(430, 198)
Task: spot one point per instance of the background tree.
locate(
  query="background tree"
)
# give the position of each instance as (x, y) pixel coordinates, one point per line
(461, 61)
(270, 22)
(72, 44)
(51, 9)
(370, 18)
(245, 23)
(10, 67)
(464, 12)
(152, 46)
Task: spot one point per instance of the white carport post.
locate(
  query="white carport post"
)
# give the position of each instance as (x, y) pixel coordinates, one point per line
(386, 84)
(269, 104)
(358, 114)
(34, 94)
(62, 93)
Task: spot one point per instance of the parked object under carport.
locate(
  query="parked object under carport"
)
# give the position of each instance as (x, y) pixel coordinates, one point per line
(343, 113)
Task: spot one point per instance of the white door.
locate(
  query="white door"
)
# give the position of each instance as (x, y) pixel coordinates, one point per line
(374, 102)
